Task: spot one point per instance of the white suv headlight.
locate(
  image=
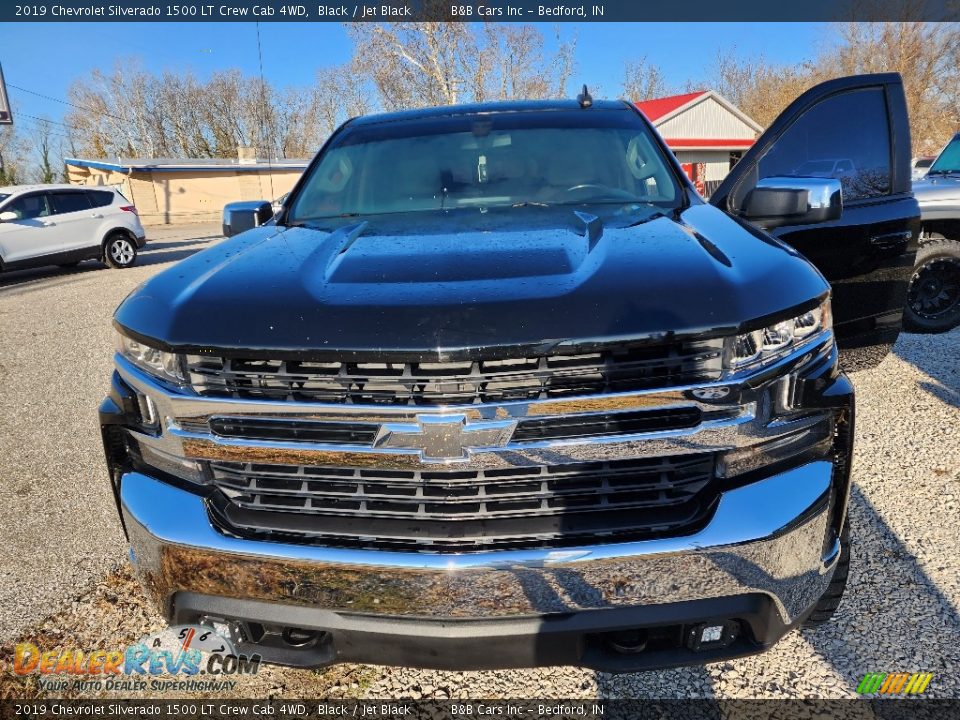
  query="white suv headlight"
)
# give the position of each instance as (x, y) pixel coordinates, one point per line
(160, 364)
(762, 346)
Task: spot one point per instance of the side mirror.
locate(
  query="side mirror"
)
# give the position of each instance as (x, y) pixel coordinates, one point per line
(241, 216)
(8, 216)
(777, 201)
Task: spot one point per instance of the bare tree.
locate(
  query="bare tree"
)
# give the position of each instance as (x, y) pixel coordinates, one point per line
(43, 145)
(118, 113)
(925, 54)
(13, 156)
(417, 64)
(341, 92)
(183, 117)
(131, 112)
(513, 64)
(564, 63)
(643, 80)
(134, 113)
(758, 87)
(444, 63)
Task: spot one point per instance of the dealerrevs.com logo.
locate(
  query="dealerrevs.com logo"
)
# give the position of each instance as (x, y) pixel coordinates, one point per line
(169, 660)
(894, 683)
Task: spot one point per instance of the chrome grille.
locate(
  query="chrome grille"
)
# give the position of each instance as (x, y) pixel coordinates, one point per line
(447, 383)
(467, 509)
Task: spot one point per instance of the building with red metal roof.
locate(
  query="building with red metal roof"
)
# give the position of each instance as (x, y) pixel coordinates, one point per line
(706, 132)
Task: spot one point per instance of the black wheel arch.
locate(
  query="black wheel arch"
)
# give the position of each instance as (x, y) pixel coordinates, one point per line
(935, 248)
(110, 233)
(949, 229)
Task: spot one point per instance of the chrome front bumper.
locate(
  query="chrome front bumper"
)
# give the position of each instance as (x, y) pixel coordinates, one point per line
(763, 557)
(765, 538)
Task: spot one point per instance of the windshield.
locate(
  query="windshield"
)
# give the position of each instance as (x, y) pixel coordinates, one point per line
(3, 197)
(482, 161)
(949, 160)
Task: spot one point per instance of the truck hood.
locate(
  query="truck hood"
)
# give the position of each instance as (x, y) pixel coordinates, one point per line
(938, 193)
(443, 284)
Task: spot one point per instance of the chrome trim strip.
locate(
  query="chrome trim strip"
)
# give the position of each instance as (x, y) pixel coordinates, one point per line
(732, 424)
(766, 537)
(708, 437)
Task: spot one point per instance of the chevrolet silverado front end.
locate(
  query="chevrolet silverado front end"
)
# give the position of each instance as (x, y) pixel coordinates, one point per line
(495, 389)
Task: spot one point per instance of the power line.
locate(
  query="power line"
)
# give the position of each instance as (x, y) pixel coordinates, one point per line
(47, 130)
(127, 121)
(46, 127)
(130, 136)
(54, 122)
(66, 102)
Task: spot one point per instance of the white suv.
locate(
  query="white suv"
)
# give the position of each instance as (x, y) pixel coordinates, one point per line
(66, 224)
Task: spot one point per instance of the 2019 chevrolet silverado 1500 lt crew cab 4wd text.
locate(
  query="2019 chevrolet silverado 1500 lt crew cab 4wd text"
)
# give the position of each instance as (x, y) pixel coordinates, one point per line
(498, 388)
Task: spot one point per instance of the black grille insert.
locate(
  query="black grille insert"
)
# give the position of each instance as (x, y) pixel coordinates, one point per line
(295, 430)
(465, 509)
(620, 423)
(620, 369)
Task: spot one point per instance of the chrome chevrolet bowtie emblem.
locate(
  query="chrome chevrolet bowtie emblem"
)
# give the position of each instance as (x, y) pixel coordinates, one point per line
(445, 437)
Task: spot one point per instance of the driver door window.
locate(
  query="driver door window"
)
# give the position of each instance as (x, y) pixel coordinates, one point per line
(823, 143)
(29, 207)
(32, 233)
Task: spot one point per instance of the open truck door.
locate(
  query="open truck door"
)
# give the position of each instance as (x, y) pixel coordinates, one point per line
(854, 132)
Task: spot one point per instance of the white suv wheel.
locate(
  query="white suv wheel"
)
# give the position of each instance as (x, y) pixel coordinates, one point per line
(121, 252)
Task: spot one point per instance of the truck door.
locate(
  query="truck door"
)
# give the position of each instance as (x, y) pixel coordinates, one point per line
(855, 130)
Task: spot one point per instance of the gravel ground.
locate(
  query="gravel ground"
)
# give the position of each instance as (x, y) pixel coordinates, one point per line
(65, 581)
(60, 531)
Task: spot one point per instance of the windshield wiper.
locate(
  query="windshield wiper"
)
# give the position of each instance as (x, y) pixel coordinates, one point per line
(530, 203)
(646, 219)
(313, 223)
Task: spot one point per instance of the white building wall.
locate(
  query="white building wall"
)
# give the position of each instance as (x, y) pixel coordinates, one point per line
(717, 161)
(706, 119)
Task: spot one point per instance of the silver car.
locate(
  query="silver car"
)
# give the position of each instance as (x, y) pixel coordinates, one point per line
(65, 225)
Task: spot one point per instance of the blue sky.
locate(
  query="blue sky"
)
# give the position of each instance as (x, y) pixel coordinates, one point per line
(47, 57)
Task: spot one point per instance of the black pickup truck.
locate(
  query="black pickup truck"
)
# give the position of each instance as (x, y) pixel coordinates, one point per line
(496, 388)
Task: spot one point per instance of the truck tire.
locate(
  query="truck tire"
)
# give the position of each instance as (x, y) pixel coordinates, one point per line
(830, 601)
(933, 297)
(119, 250)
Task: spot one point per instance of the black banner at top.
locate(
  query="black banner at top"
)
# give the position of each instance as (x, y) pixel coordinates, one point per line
(524, 709)
(550, 11)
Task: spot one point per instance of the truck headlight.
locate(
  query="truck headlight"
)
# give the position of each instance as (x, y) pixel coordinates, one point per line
(762, 346)
(163, 365)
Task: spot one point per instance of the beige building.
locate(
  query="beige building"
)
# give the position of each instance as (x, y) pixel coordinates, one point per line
(170, 191)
